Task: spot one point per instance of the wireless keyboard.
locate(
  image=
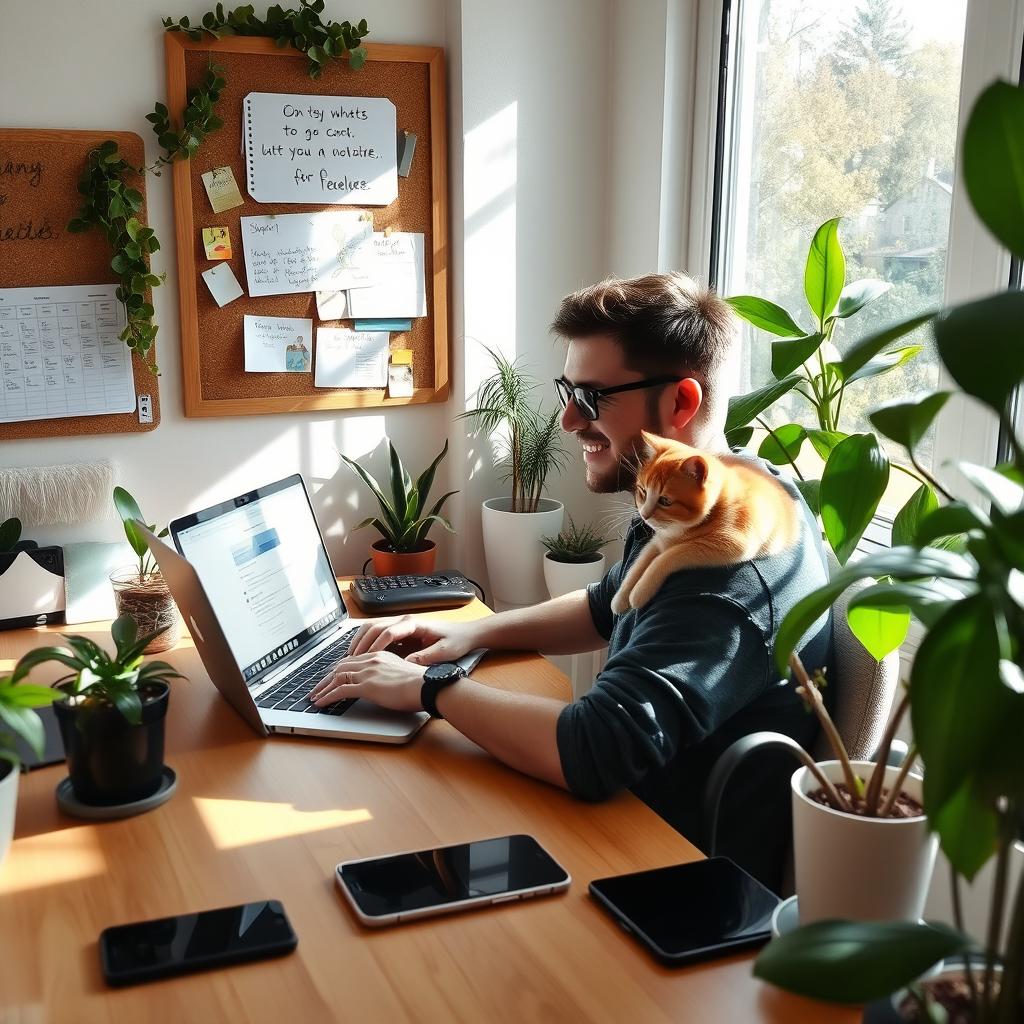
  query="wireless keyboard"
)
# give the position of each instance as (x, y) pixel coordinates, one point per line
(389, 595)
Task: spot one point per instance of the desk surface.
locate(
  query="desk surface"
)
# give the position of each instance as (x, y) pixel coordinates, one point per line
(269, 818)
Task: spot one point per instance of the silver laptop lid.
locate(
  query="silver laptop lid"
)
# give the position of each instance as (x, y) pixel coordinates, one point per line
(264, 568)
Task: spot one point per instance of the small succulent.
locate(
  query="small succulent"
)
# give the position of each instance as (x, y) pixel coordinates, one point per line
(575, 543)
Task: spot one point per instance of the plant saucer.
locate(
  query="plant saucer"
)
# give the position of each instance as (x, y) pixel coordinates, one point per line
(70, 804)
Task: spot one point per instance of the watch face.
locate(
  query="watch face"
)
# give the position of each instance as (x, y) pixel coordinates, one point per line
(443, 672)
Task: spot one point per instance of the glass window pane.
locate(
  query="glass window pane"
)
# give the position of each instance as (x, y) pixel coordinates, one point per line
(843, 110)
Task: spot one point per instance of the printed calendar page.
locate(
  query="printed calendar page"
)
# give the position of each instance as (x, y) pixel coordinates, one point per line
(61, 354)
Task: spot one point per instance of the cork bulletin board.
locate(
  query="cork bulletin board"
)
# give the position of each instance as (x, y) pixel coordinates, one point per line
(215, 381)
(39, 172)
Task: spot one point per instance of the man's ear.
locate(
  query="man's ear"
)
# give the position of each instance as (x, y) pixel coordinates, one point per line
(697, 467)
(688, 397)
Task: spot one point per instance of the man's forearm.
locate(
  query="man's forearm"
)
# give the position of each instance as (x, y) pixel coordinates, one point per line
(563, 625)
(518, 729)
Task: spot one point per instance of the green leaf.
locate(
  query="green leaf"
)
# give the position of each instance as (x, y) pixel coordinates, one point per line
(976, 337)
(28, 695)
(885, 363)
(823, 441)
(866, 349)
(783, 448)
(925, 600)
(852, 484)
(825, 273)
(908, 520)
(132, 228)
(948, 521)
(811, 493)
(993, 163)
(766, 315)
(880, 629)
(10, 532)
(789, 355)
(401, 483)
(906, 423)
(1005, 494)
(40, 656)
(426, 479)
(853, 961)
(858, 294)
(26, 723)
(393, 521)
(739, 437)
(127, 701)
(357, 58)
(124, 631)
(743, 408)
(968, 828)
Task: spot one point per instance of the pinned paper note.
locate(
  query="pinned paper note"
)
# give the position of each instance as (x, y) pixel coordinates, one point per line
(400, 373)
(331, 305)
(223, 284)
(398, 288)
(305, 252)
(350, 359)
(277, 344)
(222, 189)
(217, 243)
(406, 150)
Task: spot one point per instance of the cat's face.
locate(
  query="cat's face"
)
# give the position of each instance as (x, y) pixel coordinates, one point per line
(676, 486)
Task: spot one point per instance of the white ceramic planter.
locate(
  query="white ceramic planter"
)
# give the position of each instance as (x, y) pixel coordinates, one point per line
(859, 869)
(512, 548)
(8, 801)
(565, 577)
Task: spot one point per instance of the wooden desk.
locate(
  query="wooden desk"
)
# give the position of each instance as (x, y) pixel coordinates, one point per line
(269, 818)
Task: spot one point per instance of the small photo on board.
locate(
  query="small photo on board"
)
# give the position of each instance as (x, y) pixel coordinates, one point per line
(217, 243)
(296, 357)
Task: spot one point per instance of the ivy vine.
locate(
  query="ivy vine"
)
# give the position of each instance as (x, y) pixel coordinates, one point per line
(198, 120)
(111, 204)
(303, 29)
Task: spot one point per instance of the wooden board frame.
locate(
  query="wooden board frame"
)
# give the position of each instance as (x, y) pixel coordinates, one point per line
(177, 47)
(76, 259)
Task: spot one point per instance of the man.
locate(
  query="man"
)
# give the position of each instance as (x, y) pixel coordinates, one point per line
(690, 672)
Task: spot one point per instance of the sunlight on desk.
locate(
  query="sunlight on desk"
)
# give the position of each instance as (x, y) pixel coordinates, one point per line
(68, 855)
(233, 823)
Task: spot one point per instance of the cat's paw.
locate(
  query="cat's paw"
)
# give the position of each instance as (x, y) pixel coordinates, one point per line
(620, 602)
(641, 594)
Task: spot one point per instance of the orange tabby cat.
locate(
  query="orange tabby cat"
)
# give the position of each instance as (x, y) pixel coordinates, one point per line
(704, 510)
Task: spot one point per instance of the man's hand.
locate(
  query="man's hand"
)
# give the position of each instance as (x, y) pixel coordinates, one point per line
(437, 640)
(381, 677)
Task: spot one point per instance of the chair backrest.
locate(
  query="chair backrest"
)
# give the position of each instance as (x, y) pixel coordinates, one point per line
(864, 688)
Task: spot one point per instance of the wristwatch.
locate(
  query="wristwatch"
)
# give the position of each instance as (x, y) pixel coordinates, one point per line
(435, 679)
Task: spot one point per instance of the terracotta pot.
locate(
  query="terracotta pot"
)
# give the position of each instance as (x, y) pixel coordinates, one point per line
(150, 604)
(403, 563)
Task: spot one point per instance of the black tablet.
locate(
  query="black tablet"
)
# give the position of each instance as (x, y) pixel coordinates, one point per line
(689, 912)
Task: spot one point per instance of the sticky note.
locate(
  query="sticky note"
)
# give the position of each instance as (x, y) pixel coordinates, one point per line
(401, 357)
(383, 325)
(217, 243)
(222, 189)
(223, 284)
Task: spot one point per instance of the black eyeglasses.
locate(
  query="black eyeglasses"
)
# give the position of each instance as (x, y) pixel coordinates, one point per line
(586, 399)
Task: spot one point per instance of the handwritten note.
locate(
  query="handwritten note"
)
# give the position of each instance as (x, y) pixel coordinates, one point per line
(305, 252)
(350, 359)
(277, 344)
(321, 149)
(222, 189)
(398, 288)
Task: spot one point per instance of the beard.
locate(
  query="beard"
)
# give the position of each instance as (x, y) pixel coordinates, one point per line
(622, 475)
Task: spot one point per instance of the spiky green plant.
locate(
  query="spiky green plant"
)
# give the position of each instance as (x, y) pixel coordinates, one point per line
(575, 543)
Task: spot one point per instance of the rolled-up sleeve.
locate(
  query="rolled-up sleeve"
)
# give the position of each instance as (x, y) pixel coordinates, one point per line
(691, 663)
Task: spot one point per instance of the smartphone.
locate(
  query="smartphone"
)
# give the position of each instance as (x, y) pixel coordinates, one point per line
(688, 912)
(405, 886)
(147, 950)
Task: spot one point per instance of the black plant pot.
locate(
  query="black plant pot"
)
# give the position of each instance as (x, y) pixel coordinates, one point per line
(111, 761)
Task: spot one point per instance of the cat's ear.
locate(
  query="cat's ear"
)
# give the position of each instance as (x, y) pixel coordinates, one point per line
(697, 467)
(652, 442)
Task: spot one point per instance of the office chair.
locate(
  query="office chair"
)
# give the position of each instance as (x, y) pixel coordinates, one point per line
(864, 694)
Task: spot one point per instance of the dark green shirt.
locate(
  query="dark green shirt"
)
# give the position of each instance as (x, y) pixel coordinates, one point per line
(687, 675)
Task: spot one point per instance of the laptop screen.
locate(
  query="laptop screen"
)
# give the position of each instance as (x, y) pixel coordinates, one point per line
(262, 563)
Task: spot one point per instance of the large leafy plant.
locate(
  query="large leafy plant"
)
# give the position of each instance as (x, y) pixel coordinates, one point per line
(967, 683)
(806, 363)
(402, 522)
(18, 701)
(96, 676)
(128, 509)
(529, 440)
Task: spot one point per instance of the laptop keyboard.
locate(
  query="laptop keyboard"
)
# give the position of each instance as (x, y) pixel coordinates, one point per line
(292, 693)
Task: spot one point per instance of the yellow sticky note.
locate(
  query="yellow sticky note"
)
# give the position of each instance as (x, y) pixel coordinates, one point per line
(401, 357)
(222, 189)
(217, 243)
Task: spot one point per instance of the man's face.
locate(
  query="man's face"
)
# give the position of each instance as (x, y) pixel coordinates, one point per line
(611, 442)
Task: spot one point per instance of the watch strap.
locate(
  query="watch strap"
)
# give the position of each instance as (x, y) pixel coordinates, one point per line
(435, 682)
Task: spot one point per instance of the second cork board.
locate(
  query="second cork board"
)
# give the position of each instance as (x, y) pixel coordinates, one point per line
(212, 345)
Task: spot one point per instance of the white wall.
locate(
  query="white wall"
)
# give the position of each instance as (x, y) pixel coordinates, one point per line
(517, 249)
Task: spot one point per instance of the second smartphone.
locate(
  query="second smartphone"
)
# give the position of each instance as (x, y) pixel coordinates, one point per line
(405, 886)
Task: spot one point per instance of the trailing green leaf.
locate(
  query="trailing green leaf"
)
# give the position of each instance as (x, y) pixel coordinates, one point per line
(906, 423)
(766, 315)
(743, 408)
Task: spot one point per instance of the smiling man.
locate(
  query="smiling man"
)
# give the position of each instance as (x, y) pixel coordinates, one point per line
(687, 674)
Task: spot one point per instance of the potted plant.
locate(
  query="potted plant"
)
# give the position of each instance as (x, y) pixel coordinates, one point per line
(36, 583)
(530, 446)
(573, 558)
(966, 686)
(111, 714)
(17, 718)
(140, 591)
(403, 548)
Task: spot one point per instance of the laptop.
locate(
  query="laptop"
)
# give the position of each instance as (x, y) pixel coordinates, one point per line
(255, 587)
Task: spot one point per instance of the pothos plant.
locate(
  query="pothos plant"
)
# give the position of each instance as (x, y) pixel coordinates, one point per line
(807, 364)
(966, 687)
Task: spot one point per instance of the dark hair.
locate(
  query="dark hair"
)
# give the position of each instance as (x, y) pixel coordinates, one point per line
(665, 323)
